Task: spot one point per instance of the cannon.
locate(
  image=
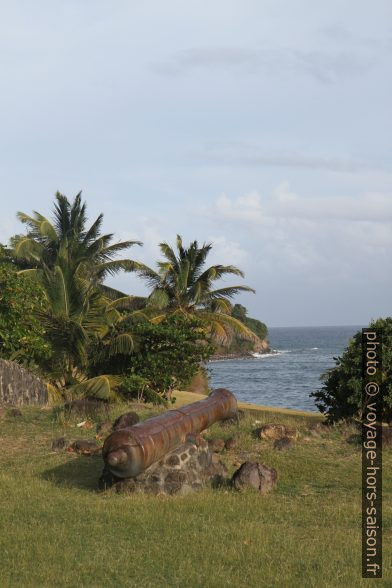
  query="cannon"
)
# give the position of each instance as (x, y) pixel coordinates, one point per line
(128, 452)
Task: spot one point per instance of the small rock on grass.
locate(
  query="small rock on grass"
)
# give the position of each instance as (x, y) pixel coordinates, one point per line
(126, 420)
(104, 429)
(233, 442)
(59, 443)
(15, 412)
(84, 447)
(272, 431)
(255, 475)
(216, 445)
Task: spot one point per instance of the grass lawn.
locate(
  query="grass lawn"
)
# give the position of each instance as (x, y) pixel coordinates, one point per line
(57, 530)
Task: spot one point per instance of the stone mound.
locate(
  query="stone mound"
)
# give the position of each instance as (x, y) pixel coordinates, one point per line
(188, 468)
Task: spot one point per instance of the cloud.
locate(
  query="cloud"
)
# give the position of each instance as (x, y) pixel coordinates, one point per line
(246, 155)
(226, 252)
(283, 203)
(319, 238)
(328, 66)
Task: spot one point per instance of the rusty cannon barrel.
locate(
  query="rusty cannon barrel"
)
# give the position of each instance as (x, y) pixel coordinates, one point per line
(128, 452)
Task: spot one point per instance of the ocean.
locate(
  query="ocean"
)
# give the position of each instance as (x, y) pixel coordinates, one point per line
(286, 378)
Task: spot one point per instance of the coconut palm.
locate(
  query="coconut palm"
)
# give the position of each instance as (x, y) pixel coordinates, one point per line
(70, 261)
(182, 283)
(68, 242)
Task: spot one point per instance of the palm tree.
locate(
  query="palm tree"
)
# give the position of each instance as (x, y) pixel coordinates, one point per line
(66, 241)
(183, 284)
(70, 261)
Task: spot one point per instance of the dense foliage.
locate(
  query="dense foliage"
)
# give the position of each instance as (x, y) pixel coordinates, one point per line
(166, 356)
(341, 394)
(68, 261)
(257, 327)
(87, 337)
(21, 333)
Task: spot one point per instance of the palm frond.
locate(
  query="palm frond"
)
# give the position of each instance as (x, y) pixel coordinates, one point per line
(228, 292)
(102, 387)
(129, 303)
(158, 299)
(113, 267)
(123, 344)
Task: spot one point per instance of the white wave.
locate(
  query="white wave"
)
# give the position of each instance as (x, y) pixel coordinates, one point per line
(273, 353)
(314, 348)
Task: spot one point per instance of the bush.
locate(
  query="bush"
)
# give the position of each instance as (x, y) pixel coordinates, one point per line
(341, 394)
(166, 356)
(21, 334)
(137, 387)
(169, 354)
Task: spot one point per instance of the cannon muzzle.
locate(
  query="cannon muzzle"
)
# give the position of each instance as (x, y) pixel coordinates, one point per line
(128, 452)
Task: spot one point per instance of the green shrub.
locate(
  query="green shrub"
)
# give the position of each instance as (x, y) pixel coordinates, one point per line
(166, 357)
(138, 388)
(169, 354)
(21, 334)
(341, 394)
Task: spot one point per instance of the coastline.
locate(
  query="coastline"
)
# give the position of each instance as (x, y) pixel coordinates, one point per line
(240, 355)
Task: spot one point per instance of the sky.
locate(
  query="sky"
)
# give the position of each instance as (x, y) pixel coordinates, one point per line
(262, 126)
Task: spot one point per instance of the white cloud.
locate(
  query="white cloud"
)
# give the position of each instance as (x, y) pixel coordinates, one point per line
(316, 236)
(226, 252)
(283, 203)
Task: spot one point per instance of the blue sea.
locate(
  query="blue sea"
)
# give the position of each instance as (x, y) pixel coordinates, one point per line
(285, 378)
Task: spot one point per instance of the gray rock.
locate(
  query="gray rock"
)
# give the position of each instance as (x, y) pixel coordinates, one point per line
(174, 481)
(233, 442)
(84, 447)
(216, 445)
(15, 412)
(254, 475)
(104, 429)
(272, 431)
(126, 420)
(59, 443)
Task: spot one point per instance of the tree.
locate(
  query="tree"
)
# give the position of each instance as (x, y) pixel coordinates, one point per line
(21, 333)
(259, 328)
(69, 244)
(166, 357)
(341, 394)
(69, 261)
(182, 284)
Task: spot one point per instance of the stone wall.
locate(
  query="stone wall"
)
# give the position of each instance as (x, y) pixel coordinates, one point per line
(188, 468)
(18, 386)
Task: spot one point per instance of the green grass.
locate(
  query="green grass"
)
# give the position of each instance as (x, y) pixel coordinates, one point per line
(57, 530)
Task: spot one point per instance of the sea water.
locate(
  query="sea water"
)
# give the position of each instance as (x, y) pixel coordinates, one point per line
(286, 377)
